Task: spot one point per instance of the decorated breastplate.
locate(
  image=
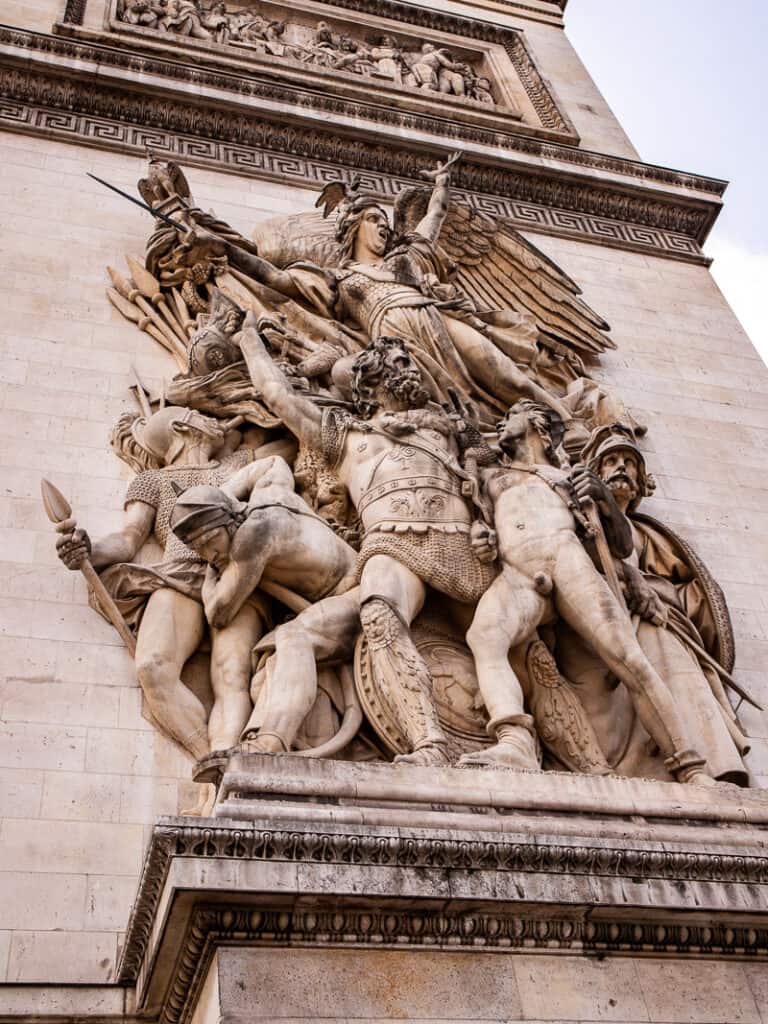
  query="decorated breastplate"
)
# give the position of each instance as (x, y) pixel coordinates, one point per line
(410, 491)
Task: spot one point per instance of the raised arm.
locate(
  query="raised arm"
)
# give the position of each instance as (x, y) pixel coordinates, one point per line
(432, 222)
(300, 415)
(200, 244)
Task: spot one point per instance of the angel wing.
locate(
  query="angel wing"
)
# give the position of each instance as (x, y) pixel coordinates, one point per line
(301, 236)
(337, 192)
(500, 270)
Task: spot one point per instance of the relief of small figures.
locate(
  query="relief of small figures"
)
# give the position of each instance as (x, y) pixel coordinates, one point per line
(426, 67)
(380, 441)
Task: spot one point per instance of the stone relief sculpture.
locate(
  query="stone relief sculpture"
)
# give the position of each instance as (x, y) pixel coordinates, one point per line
(546, 572)
(392, 499)
(419, 66)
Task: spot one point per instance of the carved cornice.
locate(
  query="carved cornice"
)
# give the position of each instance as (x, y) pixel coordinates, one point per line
(502, 854)
(548, 200)
(147, 64)
(470, 930)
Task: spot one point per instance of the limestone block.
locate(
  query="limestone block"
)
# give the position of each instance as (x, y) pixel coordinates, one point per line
(128, 752)
(70, 1001)
(92, 662)
(757, 976)
(65, 956)
(265, 984)
(108, 901)
(143, 799)
(81, 847)
(80, 796)
(27, 745)
(5, 948)
(33, 902)
(63, 703)
(579, 988)
(696, 991)
(21, 793)
(130, 716)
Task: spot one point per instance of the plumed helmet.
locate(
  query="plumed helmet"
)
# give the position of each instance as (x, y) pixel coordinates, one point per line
(156, 433)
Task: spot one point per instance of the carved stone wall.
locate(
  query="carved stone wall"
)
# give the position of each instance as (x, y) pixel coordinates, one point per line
(78, 759)
(84, 774)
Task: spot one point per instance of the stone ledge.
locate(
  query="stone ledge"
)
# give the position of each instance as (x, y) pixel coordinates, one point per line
(321, 853)
(290, 781)
(97, 95)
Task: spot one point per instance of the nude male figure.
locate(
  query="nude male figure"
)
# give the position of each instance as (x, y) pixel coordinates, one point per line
(398, 462)
(274, 538)
(546, 571)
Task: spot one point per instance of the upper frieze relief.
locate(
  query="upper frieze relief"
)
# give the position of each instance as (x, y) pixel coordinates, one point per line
(470, 77)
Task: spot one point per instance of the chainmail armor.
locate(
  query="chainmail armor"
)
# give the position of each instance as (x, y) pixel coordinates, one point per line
(444, 561)
(153, 487)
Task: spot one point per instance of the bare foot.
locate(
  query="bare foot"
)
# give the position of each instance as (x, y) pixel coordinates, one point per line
(203, 805)
(431, 756)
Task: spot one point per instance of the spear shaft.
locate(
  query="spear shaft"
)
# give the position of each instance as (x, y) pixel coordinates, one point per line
(138, 202)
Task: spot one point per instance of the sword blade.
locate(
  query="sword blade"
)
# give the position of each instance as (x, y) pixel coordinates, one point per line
(138, 202)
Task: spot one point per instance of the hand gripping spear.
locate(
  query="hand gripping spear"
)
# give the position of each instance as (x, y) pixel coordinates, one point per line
(59, 512)
(612, 577)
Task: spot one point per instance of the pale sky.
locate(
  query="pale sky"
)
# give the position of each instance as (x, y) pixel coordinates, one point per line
(688, 81)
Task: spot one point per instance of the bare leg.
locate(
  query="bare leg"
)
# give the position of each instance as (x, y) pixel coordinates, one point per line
(496, 371)
(325, 630)
(390, 598)
(170, 632)
(231, 677)
(585, 601)
(507, 614)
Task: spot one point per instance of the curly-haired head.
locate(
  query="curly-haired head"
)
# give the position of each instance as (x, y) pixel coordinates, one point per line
(386, 362)
(546, 422)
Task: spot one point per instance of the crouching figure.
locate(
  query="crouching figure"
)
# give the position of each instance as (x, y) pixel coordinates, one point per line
(277, 542)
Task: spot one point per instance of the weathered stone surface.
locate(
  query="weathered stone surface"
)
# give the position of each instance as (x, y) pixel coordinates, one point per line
(84, 774)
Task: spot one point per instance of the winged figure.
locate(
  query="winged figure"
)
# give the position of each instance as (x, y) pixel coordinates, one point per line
(475, 303)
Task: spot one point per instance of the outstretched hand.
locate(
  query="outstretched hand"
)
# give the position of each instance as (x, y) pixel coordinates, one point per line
(441, 175)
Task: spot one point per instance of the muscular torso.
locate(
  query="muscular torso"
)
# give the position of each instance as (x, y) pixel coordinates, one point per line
(531, 518)
(305, 554)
